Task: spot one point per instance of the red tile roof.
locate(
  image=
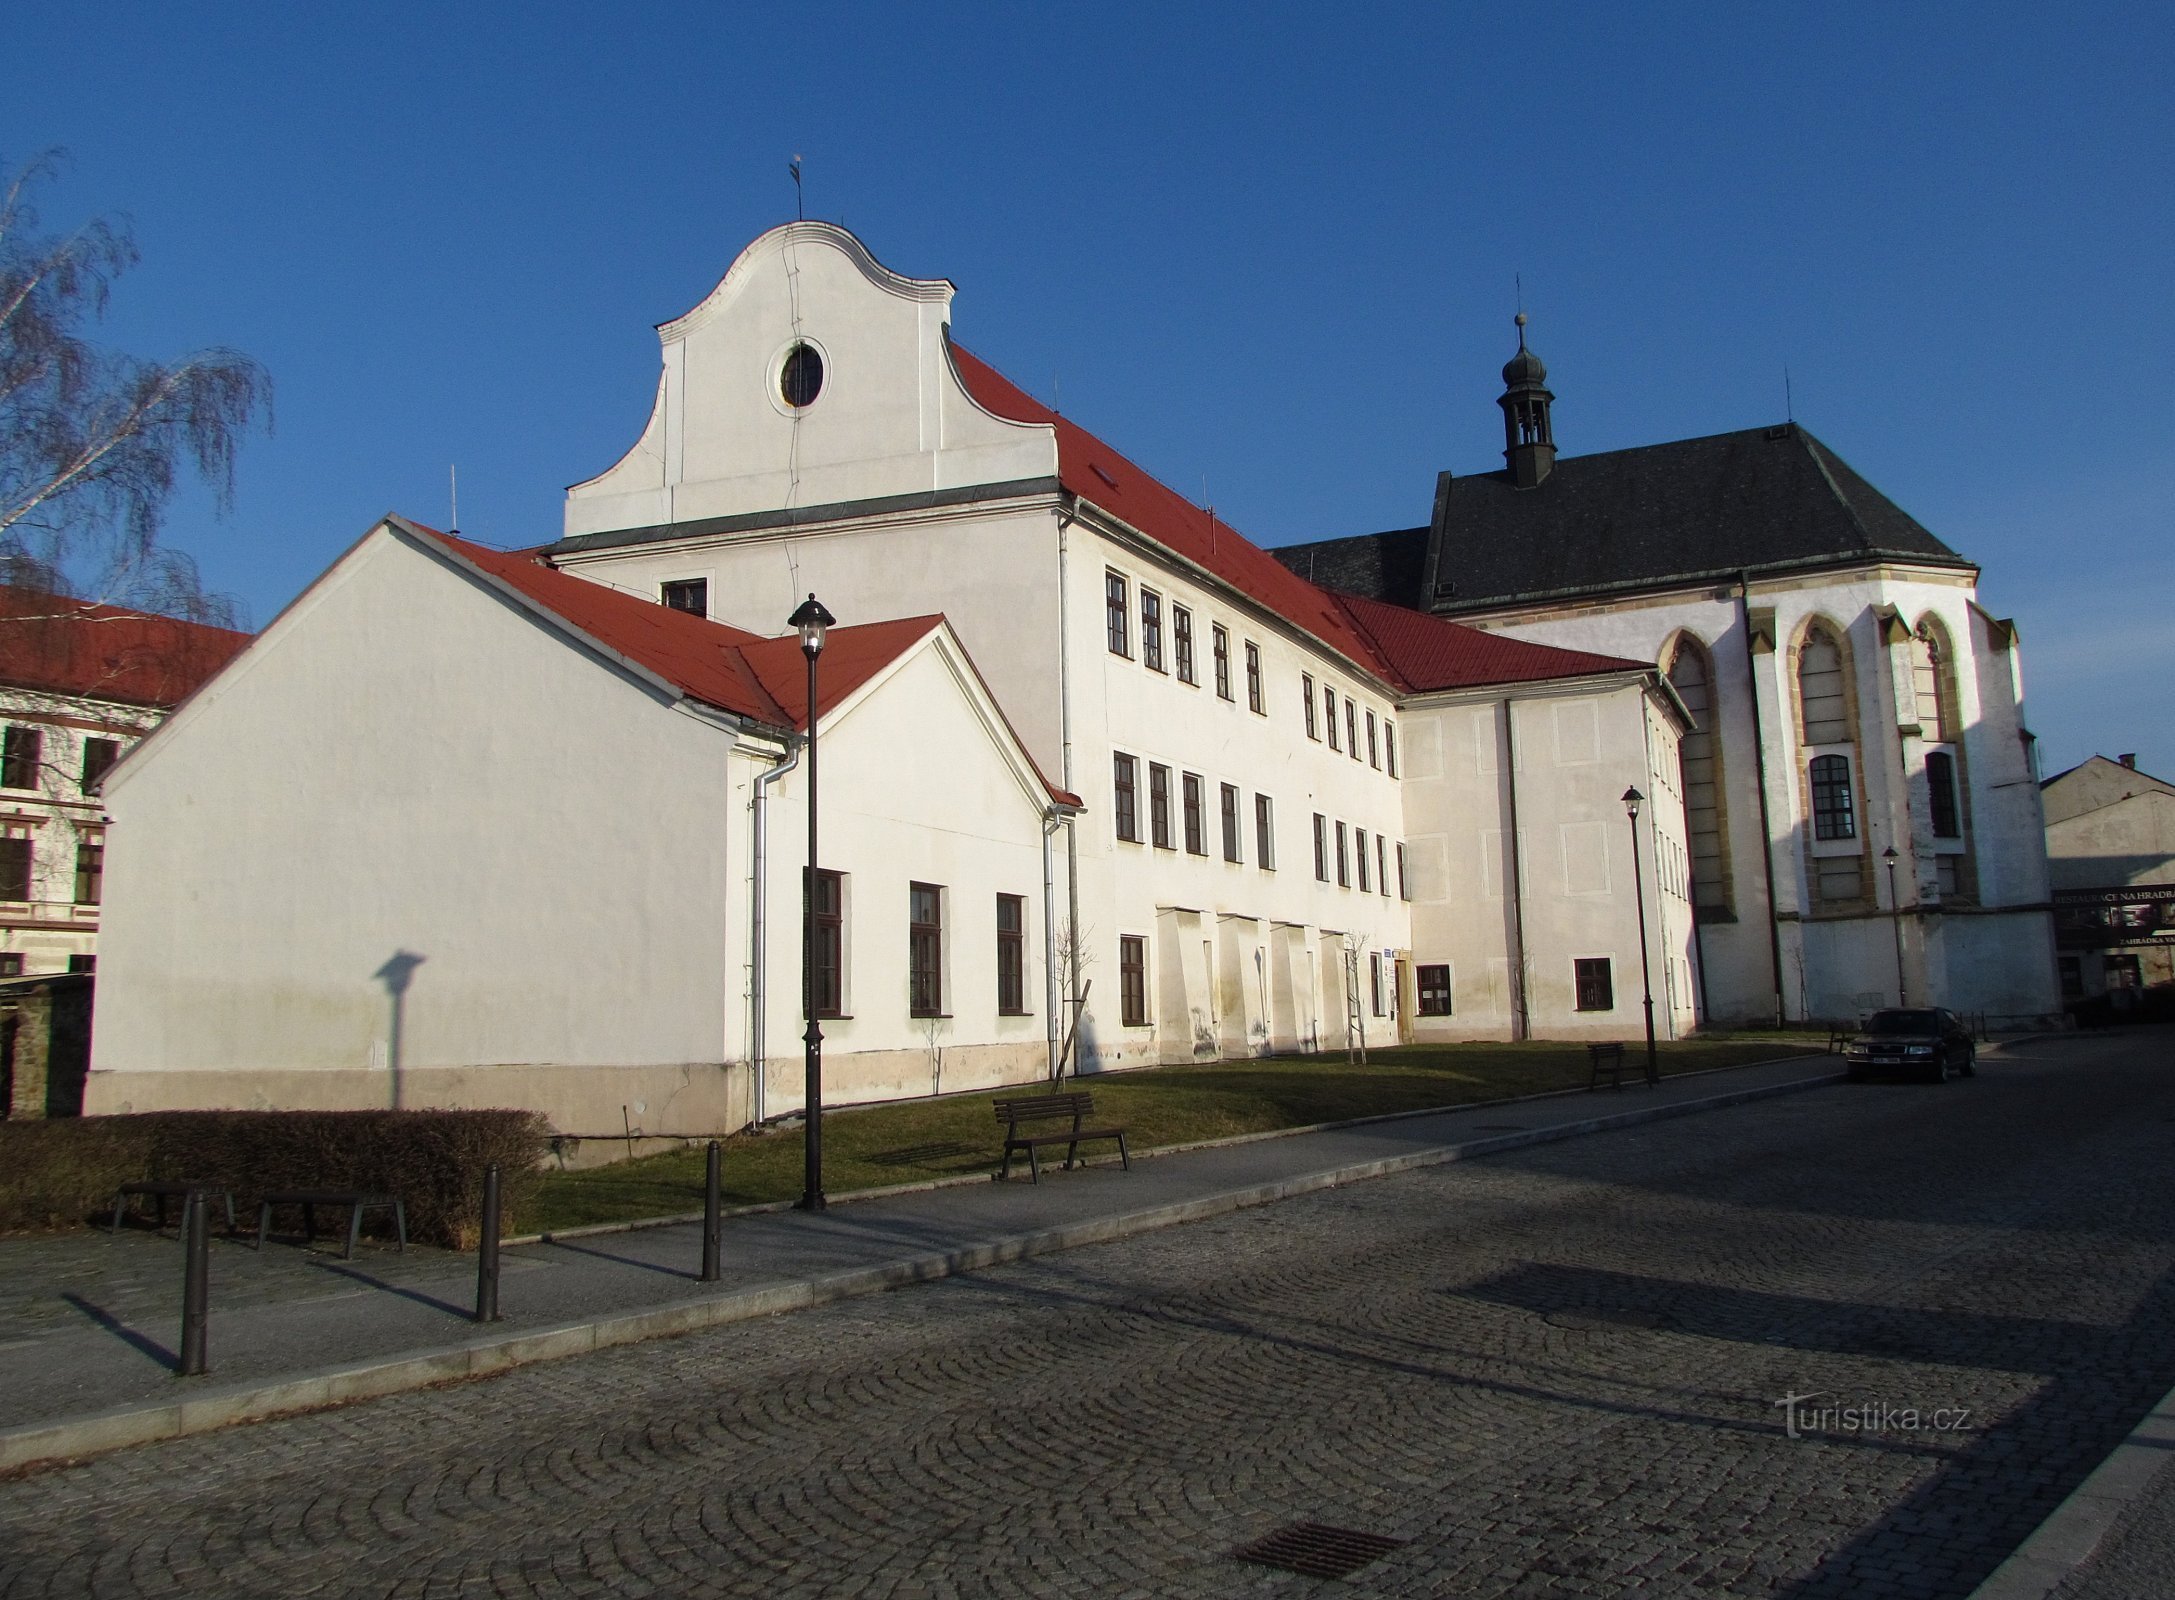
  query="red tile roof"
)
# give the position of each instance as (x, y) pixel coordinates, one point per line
(1426, 652)
(1091, 470)
(55, 645)
(1409, 650)
(720, 665)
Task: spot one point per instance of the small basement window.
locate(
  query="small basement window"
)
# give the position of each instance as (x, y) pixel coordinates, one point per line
(691, 595)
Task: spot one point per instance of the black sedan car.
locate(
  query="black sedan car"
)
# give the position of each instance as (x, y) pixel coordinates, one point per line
(1927, 1042)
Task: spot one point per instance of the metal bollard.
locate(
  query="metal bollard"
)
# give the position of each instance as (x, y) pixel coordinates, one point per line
(487, 1250)
(195, 1280)
(713, 1215)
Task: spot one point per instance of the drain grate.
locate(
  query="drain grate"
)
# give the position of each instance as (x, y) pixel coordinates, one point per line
(1316, 1551)
(1605, 1320)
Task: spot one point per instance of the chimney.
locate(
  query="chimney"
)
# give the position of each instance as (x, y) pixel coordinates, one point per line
(2129, 760)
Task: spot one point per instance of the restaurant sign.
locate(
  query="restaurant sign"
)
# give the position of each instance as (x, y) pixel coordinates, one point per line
(2092, 919)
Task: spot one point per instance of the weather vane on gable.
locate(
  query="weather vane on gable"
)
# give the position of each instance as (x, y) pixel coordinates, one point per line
(800, 208)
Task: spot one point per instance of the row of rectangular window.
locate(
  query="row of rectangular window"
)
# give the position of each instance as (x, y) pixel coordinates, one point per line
(826, 961)
(16, 864)
(1835, 812)
(22, 753)
(1591, 977)
(1351, 843)
(1117, 622)
(1125, 812)
(1378, 749)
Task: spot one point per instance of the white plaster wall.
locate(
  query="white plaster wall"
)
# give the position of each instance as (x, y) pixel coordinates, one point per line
(1236, 910)
(407, 769)
(1571, 752)
(991, 573)
(890, 418)
(915, 787)
(2000, 797)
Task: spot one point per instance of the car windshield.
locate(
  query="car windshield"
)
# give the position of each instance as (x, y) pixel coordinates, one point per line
(1904, 1022)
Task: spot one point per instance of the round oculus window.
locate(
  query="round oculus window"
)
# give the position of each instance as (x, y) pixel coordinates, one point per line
(800, 380)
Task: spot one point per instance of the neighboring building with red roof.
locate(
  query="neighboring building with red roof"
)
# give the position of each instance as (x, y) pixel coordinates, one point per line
(80, 684)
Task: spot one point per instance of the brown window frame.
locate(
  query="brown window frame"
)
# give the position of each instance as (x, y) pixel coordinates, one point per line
(1151, 629)
(1254, 701)
(1012, 956)
(1219, 644)
(1593, 980)
(1132, 981)
(676, 593)
(1359, 848)
(90, 870)
(1834, 799)
(1182, 644)
(827, 923)
(1117, 619)
(1159, 806)
(1306, 698)
(1227, 806)
(1264, 833)
(1351, 727)
(1193, 797)
(1389, 745)
(99, 755)
(1329, 710)
(1321, 848)
(925, 950)
(18, 868)
(22, 750)
(1373, 751)
(1125, 796)
(1344, 860)
(1433, 987)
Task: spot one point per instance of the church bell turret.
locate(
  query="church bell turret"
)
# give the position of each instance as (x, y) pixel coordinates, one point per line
(1529, 440)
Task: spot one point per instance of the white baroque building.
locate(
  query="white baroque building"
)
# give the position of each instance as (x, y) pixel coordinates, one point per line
(1094, 768)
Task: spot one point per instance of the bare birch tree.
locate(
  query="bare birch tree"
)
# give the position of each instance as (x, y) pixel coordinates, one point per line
(93, 441)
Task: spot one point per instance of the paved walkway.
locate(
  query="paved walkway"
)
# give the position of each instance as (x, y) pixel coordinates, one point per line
(89, 1322)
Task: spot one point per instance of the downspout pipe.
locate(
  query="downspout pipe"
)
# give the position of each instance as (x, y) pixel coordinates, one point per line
(758, 916)
(1521, 1017)
(1068, 513)
(1052, 818)
(1759, 763)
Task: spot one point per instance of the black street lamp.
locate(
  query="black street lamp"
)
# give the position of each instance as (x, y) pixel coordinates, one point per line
(811, 620)
(1895, 919)
(1632, 797)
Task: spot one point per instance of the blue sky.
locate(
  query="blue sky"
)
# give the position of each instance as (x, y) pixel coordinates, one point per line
(1268, 252)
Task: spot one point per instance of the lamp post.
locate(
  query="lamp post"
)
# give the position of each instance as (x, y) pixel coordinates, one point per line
(1632, 797)
(1895, 920)
(811, 620)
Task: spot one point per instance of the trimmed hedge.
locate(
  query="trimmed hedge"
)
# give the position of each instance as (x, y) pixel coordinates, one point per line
(61, 1172)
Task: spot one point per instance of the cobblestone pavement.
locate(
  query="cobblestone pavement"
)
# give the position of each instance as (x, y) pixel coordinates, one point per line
(1549, 1372)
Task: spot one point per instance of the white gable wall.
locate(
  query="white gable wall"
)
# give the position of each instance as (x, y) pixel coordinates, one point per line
(408, 769)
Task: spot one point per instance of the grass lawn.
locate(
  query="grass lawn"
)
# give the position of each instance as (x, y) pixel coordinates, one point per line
(872, 1147)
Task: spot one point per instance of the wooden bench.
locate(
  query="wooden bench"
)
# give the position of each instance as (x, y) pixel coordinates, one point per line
(1610, 1059)
(1074, 1109)
(357, 1202)
(159, 1191)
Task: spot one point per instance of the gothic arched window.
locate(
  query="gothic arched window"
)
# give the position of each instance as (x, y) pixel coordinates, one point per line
(1691, 674)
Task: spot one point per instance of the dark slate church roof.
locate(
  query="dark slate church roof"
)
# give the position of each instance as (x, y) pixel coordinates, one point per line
(1698, 509)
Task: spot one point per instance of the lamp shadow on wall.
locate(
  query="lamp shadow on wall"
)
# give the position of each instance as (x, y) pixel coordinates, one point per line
(397, 973)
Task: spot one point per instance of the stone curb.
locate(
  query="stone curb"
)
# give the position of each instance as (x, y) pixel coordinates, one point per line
(2070, 1535)
(95, 1433)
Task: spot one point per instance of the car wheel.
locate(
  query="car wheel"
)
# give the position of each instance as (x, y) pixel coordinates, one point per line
(1971, 1060)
